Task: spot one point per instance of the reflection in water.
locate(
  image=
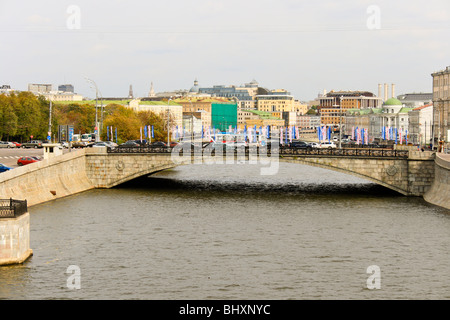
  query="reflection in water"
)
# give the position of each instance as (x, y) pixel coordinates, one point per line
(224, 232)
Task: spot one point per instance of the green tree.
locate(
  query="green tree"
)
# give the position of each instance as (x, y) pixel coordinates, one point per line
(8, 119)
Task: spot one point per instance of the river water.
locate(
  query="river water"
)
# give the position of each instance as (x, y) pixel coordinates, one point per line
(226, 232)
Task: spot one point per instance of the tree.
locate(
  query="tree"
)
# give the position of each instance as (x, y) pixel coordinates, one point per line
(126, 122)
(8, 119)
(159, 124)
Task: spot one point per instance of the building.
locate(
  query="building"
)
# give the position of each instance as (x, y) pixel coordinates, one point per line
(275, 102)
(66, 88)
(202, 115)
(37, 88)
(334, 104)
(6, 89)
(160, 108)
(414, 100)
(308, 123)
(223, 115)
(420, 124)
(62, 96)
(441, 106)
(393, 114)
(259, 118)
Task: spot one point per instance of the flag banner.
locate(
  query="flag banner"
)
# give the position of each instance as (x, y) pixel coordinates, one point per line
(153, 132)
(140, 130)
(145, 132)
(116, 135)
(107, 133)
(281, 135)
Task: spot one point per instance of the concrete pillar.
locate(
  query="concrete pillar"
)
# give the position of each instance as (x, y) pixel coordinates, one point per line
(393, 90)
(14, 237)
(379, 90)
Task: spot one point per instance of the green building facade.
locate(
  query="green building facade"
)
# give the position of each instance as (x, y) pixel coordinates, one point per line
(223, 115)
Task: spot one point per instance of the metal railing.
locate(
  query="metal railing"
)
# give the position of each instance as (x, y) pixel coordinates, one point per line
(10, 208)
(281, 150)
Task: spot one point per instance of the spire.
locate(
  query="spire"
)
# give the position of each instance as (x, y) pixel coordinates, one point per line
(152, 91)
(130, 93)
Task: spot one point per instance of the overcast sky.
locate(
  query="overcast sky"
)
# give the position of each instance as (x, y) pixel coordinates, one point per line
(301, 46)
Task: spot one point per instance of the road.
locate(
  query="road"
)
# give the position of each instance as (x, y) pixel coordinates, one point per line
(9, 157)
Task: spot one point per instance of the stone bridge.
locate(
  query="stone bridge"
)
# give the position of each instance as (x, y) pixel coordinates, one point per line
(409, 173)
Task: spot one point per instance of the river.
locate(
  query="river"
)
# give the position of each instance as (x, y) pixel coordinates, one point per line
(226, 232)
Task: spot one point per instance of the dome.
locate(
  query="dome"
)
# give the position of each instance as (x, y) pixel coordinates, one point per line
(195, 88)
(392, 102)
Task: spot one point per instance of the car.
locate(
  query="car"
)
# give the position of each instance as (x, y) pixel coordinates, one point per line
(17, 144)
(140, 142)
(130, 143)
(79, 144)
(27, 160)
(158, 144)
(99, 144)
(300, 145)
(111, 144)
(6, 144)
(4, 168)
(327, 145)
(32, 144)
(315, 145)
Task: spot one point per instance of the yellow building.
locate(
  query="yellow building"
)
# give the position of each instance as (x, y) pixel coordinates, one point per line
(275, 102)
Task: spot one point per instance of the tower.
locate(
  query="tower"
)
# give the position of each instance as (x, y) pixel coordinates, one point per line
(130, 93)
(152, 91)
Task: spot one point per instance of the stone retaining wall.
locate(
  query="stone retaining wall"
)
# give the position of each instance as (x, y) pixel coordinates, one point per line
(439, 193)
(15, 239)
(47, 179)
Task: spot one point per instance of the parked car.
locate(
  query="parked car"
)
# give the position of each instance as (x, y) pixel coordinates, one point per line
(4, 168)
(7, 144)
(27, 160)
(315, 145)
(17, 144)
(79, 144)
(300, 145)
(158, 144)
(100, 144)
(327, 145)
(32, 144)
(130, 143)
(111, 144)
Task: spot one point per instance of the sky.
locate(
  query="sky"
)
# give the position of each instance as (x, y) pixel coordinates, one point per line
(304, 47)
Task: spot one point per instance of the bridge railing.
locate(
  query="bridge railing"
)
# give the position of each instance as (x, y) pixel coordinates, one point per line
(281, 150)
(10, 208)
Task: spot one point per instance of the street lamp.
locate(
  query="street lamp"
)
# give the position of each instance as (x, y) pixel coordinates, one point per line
(168, 122)
(96, 105)
(340, 122)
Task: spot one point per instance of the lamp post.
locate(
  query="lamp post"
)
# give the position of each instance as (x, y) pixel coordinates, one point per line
(96, 106)
(340, 122)
(168, 122)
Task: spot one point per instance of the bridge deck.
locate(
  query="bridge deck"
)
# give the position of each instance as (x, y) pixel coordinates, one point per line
(281, 151)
